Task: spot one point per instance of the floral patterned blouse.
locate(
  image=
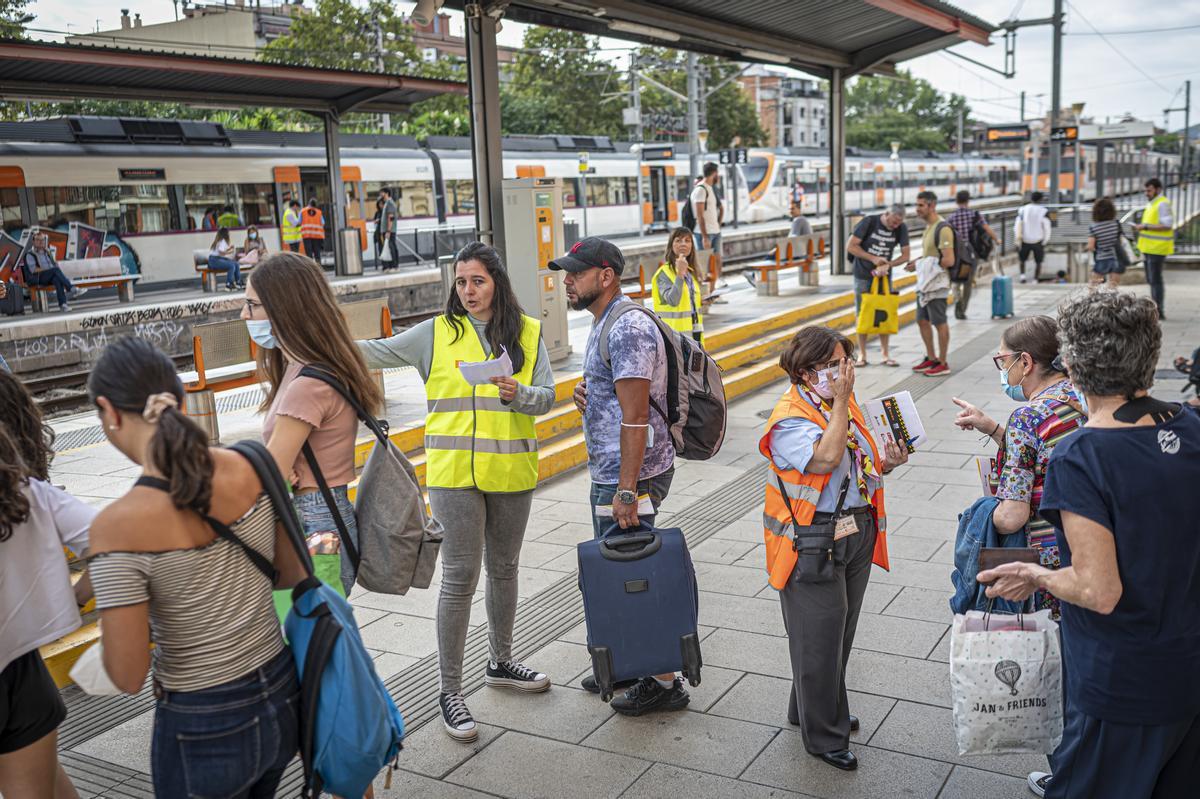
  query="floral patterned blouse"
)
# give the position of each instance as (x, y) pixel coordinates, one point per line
(1033, 431)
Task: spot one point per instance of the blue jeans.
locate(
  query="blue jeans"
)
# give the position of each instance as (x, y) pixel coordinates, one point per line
(1154, 276)
(317, 521)
(229, 266)
(656, 487)
(714, 244)
(232, 740)
(53, 276)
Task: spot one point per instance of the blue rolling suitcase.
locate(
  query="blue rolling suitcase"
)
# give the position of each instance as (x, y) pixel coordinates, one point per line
(640, 601)
(1002, 297)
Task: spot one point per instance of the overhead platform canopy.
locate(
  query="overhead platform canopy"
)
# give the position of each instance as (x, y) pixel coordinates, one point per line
(817, 36)
(57, 72)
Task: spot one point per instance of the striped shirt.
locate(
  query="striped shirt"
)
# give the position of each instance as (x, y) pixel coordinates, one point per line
(212, 617)
(1107, 234)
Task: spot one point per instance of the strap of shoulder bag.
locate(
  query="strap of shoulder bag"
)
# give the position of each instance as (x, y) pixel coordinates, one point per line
(331, 502)
(273, 485)
(257, 558)
(796, 524)
(377, 426)
(615, 314)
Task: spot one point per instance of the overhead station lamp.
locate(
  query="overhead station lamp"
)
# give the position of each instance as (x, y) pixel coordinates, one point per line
(425, 11)
(621, 26)
(766, 55)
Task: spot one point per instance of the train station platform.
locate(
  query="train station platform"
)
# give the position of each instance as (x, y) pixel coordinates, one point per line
(734, 739)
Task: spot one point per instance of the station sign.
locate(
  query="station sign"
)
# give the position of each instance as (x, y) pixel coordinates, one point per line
(1003, 133)
(583, 163)
(650, 153)
(1068, 133)
(1116, 130)
(735, 155)
(141, 173)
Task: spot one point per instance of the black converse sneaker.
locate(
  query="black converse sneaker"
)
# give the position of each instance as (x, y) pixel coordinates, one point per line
(515, 675)
(456, 718)
(648, 696)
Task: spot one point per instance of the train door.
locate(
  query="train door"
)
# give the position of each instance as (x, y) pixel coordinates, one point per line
(658, 202)
(314, 184)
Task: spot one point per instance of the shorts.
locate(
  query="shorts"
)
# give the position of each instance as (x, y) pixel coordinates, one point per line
(30, 707)
(862, 285)
(714, 244)
(1108, 266)
(655, 487)
(1035, 247)
(932, 311)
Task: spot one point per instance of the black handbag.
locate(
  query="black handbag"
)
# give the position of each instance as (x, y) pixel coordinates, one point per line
(814, 542)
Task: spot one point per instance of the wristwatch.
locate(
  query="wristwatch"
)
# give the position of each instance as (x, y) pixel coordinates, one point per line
(625, 496)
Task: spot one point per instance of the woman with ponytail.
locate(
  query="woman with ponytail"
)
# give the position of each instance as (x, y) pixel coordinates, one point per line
(36, 602)
(170, 567)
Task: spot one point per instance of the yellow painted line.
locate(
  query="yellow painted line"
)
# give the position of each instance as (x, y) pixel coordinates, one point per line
(61, 655)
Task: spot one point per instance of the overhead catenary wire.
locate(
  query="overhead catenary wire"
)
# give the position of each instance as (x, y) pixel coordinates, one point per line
(1116, 49)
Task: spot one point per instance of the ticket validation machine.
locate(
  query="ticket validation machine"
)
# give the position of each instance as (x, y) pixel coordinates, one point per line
(533, 236)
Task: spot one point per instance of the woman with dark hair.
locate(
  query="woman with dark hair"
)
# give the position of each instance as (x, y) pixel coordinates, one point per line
(254, 250)
(824, 525)
(1121, 491)
(170, 567)
(676, 287)
(1104, 237)
(1029, 374)
(36, 521)
(294, 318)
(221, 259)
(481, 461)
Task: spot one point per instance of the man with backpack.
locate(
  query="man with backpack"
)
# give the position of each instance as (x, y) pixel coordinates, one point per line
(631, 455)
(939, 264)
(703, 212)
(970, 227)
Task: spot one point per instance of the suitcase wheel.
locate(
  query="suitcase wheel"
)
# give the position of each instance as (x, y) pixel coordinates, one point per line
(689, 649)
(602, 670)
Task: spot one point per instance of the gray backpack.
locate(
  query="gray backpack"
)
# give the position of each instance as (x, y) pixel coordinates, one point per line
(695, 412)
(398, 541)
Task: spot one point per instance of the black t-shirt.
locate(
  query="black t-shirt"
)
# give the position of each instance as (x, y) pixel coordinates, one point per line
(877, 239)
(1139, 664)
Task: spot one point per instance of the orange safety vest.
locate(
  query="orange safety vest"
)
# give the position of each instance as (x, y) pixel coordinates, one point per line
(312, 223)
(804, 489)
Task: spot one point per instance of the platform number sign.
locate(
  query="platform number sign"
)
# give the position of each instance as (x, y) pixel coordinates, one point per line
(738, 155)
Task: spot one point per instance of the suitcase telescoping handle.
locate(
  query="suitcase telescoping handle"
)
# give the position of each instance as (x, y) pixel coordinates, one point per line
(640, 542)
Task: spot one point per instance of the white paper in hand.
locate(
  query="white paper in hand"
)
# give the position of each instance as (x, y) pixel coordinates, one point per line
(482, 372)
(91, 676)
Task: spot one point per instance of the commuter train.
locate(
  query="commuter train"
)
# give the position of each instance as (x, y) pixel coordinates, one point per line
(159, 187)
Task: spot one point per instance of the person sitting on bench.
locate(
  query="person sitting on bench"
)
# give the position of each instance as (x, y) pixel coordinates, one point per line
(42, 270)
(220, 259)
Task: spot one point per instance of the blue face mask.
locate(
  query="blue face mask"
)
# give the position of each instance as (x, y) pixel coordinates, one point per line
(1015, 393)
(260, 331)
(1083, 404)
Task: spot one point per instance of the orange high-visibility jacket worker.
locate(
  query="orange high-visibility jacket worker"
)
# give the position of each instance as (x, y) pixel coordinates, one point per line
(312, 230)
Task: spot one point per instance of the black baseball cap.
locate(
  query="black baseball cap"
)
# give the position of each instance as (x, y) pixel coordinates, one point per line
(591, 253)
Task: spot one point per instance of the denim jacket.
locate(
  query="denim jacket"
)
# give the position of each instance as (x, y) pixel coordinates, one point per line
(975, 531)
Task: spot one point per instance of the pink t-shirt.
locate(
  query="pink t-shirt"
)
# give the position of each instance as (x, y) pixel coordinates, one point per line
(334, 424)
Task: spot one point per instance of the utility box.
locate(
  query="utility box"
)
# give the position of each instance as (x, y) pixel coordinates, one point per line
(533, 236)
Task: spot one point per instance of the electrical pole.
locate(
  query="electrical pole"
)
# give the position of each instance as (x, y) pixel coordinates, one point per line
(1056, 99)
(693, 119)
(960, 133)
(637, 132)
(1185, 154)
(380, 65)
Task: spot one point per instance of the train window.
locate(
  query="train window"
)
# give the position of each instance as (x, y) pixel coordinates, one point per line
(570, 193)
(98, 206)
(413, 197)
(10, 209)
(597, 192)
(460, 196)
(251, 203)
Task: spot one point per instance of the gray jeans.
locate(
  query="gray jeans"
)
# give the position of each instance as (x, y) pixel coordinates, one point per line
(479, 527)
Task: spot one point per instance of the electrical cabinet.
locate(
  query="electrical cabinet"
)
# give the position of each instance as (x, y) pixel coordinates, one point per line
(533, 236)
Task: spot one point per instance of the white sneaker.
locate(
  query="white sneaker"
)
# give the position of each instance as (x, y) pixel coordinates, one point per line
(1024, 279)
(64, 308)
(457, 720)
(1038, 782)
(77, 292)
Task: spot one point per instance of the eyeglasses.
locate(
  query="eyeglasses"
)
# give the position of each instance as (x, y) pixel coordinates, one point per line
(999, 359)
(251, 305)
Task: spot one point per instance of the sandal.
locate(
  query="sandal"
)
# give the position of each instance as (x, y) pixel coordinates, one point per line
(860, 363)
(890, 362)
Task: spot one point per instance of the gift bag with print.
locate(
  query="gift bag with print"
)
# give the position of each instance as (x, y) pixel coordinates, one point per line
(1006, 683)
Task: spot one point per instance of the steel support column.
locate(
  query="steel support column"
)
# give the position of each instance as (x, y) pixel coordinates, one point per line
(483, 91)
(1056, 100)
(337, 190)
(837, 172)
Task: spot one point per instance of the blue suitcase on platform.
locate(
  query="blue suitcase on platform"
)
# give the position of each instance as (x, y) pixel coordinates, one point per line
(1002, 297)
(640, 602)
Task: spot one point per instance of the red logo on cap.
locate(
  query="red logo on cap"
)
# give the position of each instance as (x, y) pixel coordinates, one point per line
(576, 247)
(604, 263)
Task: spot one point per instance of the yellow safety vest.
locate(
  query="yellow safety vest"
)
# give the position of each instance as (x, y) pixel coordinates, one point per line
(289, 229)
(472, 439)
(1155, 242)
(684, 317)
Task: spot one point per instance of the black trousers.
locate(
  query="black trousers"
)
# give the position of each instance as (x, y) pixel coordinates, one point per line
(1154, 276)
(1104, 760)
(1039, 254)
(312, 248)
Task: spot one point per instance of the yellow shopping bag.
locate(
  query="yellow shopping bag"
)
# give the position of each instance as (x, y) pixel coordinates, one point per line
(880, 311)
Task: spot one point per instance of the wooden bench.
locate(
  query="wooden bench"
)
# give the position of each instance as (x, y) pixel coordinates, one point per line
(791, 252)
(224, 360)
(87, 273)
(209, 276)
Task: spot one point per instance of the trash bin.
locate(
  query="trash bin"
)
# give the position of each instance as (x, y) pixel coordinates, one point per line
(201, 408)
(352, 244)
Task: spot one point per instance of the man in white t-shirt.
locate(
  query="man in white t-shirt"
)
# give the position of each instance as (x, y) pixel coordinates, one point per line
(707, 209)
(1032, 229)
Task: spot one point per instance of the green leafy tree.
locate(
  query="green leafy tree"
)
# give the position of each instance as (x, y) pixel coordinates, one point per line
(881, 110)
(340, 35)
(559, 84)
(13, 18)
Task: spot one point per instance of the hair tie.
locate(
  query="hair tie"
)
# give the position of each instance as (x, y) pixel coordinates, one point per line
(156, 404)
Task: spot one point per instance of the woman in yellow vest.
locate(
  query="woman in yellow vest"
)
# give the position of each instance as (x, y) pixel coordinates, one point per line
(481, 461)
(676, 289)
(1156, 239)
(824, 526)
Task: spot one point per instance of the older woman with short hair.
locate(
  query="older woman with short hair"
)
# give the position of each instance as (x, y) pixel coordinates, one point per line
(1122, 491)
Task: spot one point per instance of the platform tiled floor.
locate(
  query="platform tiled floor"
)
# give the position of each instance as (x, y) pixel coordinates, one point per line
(734, 740)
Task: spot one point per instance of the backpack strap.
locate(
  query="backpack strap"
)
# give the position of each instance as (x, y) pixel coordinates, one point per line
(272, 482)
(615, 314)
(331, 502)
(320, 372)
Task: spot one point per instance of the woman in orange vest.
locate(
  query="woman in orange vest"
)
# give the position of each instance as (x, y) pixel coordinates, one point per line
(824, 525)
(312, 230)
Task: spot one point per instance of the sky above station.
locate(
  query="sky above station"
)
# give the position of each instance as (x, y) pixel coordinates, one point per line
(1118, 57)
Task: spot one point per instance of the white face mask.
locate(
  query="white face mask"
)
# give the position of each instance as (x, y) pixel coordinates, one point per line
(824, 384)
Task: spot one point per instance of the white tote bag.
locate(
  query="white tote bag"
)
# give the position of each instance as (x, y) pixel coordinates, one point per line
(1006, 683)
